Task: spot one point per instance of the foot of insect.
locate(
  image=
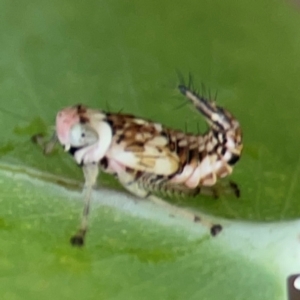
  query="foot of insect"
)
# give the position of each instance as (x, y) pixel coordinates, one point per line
(235, 188)
(90, 172)
(78, 239)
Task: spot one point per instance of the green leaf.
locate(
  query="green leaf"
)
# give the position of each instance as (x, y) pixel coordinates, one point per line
(120, 55)
(133, 252)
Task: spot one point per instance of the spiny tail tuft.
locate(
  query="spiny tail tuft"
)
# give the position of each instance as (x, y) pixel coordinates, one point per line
(216, 116)
(182, 89)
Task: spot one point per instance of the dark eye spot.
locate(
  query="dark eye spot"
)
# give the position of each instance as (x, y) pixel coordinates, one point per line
(83, 135)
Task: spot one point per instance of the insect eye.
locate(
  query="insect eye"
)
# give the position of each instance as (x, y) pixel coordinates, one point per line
(82, 135)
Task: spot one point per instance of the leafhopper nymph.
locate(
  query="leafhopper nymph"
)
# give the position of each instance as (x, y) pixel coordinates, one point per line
(147, 157)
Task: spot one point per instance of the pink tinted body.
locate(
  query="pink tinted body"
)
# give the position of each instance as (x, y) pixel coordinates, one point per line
(65, 119)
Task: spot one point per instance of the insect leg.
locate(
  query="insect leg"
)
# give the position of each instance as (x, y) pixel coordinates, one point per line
(235, 188)
(213, 228)
(130, 184)
(90, 174)
(133, 186)
(46, 146)
(225, 187)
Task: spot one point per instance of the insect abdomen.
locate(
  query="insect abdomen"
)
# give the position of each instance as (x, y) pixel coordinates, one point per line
(205, 158)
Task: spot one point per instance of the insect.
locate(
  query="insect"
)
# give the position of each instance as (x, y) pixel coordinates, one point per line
(145, 156)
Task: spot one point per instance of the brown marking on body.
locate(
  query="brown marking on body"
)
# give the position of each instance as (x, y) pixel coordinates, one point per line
(82, 114)
(135, 147)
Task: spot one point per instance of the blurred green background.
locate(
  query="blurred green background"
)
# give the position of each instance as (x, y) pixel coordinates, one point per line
(123, 55)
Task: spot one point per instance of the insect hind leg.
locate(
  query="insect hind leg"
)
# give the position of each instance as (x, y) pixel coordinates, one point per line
(196, 218)
(135, 187)
(220, 188)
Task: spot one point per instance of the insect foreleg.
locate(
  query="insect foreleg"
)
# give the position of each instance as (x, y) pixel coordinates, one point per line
(46, 146)
(91, 172)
